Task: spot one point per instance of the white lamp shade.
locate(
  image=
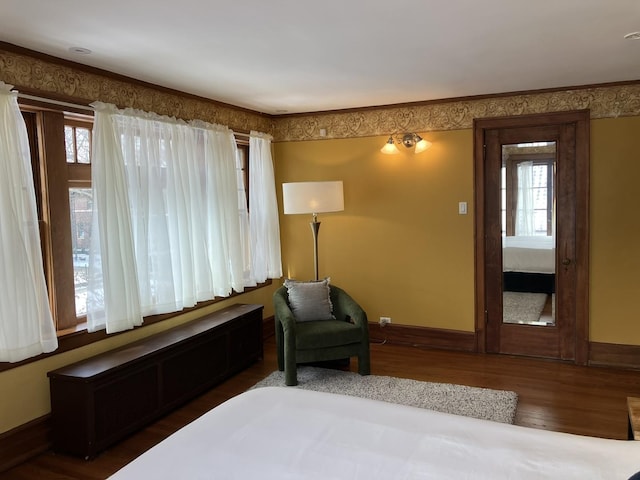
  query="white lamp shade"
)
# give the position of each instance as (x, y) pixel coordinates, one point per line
(312, 197)
(389, 149)
(422, 145)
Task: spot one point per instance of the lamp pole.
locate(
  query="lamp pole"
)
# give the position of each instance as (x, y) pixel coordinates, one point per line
(315, 228)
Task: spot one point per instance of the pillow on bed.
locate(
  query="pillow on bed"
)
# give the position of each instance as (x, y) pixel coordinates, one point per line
(309, 300)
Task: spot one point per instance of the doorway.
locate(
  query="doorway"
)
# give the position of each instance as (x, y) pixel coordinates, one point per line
(531, 197)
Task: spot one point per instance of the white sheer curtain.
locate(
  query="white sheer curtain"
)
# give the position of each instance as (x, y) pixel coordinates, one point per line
(265, 230)
(525, 225)
(26, 325)
(113, 283)
(171, 217)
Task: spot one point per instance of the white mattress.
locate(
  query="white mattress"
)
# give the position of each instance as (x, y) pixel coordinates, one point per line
(287, 433)
(528, 254)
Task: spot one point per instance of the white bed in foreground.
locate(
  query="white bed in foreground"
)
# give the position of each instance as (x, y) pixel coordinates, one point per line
(287, 433)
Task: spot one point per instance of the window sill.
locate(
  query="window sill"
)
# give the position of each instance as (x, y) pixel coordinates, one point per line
(77, 336)
(79, 328)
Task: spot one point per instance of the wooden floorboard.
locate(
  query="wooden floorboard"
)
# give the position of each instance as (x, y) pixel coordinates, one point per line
(552, 395)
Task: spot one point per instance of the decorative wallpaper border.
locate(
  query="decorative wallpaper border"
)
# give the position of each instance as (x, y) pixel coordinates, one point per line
(62, 80)
(45, 77)
(603, 102)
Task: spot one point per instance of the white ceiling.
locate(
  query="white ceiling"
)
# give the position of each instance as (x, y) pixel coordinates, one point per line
(289, 56)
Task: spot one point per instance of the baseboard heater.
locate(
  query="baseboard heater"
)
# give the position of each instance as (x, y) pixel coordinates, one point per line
(98, 401)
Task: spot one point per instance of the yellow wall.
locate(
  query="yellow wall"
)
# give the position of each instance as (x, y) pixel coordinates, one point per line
(25, 390)
(615, 231)
(402, 249)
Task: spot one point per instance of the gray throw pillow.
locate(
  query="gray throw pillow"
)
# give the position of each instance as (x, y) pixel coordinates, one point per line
(309, 300)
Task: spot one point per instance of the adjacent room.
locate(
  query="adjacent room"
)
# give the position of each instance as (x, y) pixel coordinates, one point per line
(319, 240)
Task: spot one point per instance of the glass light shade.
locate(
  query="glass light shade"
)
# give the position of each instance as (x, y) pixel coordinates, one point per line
(422, 145)
(312, 197)
(390, 147)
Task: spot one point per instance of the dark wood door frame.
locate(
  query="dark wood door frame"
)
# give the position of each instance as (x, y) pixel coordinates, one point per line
(575, 119)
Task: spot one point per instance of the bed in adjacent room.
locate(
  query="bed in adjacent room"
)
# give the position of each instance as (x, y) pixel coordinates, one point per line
(288, 433)
(529, 264)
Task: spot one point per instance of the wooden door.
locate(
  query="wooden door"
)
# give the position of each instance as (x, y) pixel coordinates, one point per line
(555, 145)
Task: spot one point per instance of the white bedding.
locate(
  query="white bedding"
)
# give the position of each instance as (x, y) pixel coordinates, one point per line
(287, 433)
(530, 254)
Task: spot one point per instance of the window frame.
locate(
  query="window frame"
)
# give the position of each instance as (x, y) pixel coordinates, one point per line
(46, 132)
(79, 174)
(242, 143)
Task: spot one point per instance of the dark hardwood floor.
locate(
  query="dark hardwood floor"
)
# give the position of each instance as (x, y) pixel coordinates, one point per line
(552, 395)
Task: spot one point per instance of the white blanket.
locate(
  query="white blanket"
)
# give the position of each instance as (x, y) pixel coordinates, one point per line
(287, 433)
(528, 254)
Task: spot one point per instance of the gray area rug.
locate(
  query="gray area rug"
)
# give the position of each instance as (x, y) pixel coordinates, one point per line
(522, 307)
(496, 405)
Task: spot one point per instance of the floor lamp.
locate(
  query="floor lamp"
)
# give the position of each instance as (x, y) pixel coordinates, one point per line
(314, 198)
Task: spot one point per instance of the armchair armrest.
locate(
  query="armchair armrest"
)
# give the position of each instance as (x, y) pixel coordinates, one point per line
(283, 313)
(344, 306)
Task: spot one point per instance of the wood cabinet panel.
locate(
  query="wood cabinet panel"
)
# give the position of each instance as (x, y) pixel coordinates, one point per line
(180, 380)
(96, 402)
(124, 404)
(245, 343)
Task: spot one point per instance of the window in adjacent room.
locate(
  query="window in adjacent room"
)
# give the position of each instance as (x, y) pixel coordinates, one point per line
(542, 178)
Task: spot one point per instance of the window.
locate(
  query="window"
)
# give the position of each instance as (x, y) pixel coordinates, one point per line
(80, 203)
(542, 174)
(542, 188)
(77, 142)
(243, 162)
(61, 159)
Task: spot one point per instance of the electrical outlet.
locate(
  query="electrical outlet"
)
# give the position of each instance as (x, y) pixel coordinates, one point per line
(385, 321)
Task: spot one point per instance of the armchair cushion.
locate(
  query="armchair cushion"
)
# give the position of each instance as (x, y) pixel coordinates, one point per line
(328, 333)
(310, 300)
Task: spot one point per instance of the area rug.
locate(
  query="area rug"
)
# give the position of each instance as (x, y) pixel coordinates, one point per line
(488, 404)
(522, 307)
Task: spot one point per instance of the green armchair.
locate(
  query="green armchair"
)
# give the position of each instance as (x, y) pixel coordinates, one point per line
(320, 340)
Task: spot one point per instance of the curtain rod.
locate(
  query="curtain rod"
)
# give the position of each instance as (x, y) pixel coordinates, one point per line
(86, 107)
(55, 102)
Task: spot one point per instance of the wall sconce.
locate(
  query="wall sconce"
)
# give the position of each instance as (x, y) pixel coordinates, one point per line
(409, 140)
